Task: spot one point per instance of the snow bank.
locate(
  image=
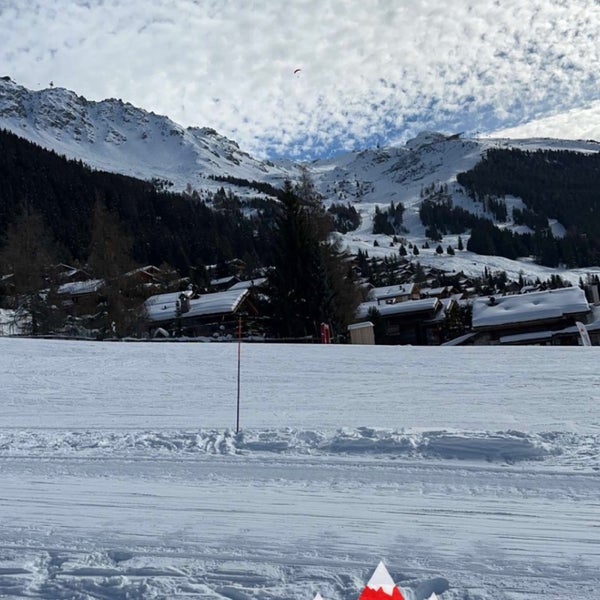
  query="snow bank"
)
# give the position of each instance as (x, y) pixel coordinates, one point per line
(501, 447)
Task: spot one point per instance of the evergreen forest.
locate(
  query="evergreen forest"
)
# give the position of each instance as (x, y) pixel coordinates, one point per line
(553, 184)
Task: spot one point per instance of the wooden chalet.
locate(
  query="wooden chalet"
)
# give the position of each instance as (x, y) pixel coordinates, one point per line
(393, 294)
(180, 314)
(538, 318)
(416, 322)
(82, 297)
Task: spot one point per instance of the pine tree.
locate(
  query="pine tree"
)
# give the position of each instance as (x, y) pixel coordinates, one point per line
(312, 281)
(110, 259)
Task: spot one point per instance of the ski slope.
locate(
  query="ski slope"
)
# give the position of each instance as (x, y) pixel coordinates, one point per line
(473, 473)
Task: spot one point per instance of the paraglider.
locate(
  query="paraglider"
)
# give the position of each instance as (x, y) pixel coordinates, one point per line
(296, 71)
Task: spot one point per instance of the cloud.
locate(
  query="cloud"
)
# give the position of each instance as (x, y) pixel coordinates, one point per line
(370, 69)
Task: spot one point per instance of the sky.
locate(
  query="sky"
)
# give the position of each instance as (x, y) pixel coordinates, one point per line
(371, 72)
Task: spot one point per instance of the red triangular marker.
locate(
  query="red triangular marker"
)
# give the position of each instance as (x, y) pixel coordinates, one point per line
(381, 586)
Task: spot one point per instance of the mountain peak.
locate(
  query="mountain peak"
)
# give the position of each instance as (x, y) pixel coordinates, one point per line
(425, 138)
(113, 135)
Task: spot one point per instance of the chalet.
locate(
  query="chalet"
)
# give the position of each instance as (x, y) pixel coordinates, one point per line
(81, 297)
(224, 283)
(411, 322)
(148, 275)
(259, 282)
(209, 314)
(543, 318)
(444, 291)
(67, 274)
(392, 294)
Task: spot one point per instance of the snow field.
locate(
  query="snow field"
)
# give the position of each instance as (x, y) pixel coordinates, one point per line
(471, 472)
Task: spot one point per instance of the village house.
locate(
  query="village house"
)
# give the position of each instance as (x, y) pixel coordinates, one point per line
(81, 297)
(443, 291)
(544, 318)
(392, 294)
(417, 322)
(224, 283)
(182, 314)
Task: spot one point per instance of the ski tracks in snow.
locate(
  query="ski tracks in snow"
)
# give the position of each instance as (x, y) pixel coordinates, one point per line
(270, 526)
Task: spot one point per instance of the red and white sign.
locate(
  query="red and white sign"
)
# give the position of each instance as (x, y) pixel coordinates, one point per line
(381, 586)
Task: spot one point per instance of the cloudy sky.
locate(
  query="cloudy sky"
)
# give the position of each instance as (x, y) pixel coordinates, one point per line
(371, 71)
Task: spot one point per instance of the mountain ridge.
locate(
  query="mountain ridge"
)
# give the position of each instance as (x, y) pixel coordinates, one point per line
(115, 136)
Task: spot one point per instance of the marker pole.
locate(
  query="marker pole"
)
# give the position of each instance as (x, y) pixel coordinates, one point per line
(239, 356)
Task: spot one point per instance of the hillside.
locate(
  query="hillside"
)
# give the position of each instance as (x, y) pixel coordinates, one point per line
(115, 136)
(164, 227)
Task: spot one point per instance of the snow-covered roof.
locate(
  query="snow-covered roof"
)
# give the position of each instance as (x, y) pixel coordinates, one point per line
(391, 291)
(218, 303)
(434, 291)
(77, 288)
(525, 308)
(67, 271)
(208, 304)
(537, 336)
(411, 306)
(149, 269)
(165, 299)
(242, 285)
(223, 280)
(446, 304)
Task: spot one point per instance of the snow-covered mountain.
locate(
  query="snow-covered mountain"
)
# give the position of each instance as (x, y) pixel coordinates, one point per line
(115, 136)
(376, 177)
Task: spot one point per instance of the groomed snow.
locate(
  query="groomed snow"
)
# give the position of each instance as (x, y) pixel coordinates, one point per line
(471, 472)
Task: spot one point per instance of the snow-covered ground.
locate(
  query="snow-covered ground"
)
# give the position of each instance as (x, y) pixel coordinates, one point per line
(471, 472)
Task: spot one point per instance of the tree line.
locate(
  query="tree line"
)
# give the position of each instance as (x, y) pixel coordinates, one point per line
(553, 184)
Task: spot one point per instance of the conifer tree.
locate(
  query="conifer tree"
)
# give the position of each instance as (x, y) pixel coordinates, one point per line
(311, 282)
(110, 259)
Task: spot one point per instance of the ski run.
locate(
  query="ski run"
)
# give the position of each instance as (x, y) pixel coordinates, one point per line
(472, 473)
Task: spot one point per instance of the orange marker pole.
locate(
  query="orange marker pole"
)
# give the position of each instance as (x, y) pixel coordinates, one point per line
(239, 356)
